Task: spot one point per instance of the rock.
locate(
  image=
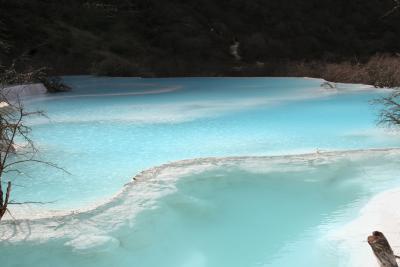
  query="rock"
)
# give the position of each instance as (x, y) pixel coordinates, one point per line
(328, 85)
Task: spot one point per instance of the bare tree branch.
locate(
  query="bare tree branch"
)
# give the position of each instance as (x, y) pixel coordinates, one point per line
(31, 202)
(37, 161)
(12, 127)
(9, 212)
(389, 115)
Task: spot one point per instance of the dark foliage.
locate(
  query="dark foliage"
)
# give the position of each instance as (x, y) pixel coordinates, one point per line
(177, 37)
(379, 71)
(11, 76)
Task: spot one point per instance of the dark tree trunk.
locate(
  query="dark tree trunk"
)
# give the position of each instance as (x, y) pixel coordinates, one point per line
(382, 250)
(4, 203)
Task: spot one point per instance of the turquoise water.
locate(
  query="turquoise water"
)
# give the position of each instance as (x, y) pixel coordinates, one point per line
(109, 129)
(239, 212)
(103, 134)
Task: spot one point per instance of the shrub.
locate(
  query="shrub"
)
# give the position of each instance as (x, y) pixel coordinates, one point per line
(345, 72)
(383, 71)
(379, 71)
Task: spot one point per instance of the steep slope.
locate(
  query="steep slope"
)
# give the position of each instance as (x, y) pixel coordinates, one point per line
(177, 37)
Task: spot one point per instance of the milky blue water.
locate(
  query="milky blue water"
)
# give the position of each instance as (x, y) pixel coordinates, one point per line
(106, 130)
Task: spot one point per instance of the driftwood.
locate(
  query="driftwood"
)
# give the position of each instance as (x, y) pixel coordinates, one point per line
(382, 250)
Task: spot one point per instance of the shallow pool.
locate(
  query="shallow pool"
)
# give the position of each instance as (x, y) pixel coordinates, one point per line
(108, 129)
(246, 211)
(241, 211)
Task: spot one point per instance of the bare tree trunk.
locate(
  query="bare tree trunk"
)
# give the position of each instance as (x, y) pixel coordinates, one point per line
(4, 204)
(382, 250)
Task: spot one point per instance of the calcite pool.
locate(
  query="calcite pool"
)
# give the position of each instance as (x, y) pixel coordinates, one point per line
(251, 172)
